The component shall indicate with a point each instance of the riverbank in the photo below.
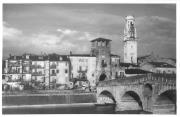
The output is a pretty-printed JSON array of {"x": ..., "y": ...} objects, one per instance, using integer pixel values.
[
  {"x": 49, "y": 105},
  {"x": 47, "y": 99}
]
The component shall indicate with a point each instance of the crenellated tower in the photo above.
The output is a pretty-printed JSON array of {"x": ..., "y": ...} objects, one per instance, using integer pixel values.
[{"x": 101, "y": 48}]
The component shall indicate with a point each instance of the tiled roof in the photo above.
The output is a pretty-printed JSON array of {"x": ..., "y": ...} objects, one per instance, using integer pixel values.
[
  {"x": 38, "y": 57},
  {"x": 100, "y": 39},
  {"x": 161, "y": 64},
  {"x": 15, "y": 57},
  {"x": 136, "y": 71},
  {"x": 114, "y": 55},
  {"x": 128, "y": 65},
  {"x": 82, "y": 55}
]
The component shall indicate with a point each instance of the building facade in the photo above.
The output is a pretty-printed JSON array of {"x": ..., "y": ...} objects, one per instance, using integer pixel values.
[
  {"x": 41, "y": 71},
  {"x": 159, "y": 67},
  {"x": 83, "y": 66}
]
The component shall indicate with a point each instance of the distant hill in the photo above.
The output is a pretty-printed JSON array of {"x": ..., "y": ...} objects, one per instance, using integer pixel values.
[{"x": 153, "y": 58}]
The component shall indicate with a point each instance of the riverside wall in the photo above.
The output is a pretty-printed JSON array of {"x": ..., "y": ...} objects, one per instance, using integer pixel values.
[{"x": 40, "y": 99}]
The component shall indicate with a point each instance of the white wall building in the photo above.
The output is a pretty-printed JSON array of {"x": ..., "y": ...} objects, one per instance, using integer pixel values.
[
  {"x": 159, "y": 67},
  {"x": 83, "y": 64}
]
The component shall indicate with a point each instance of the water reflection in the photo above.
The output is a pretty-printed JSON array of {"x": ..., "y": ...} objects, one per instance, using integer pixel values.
[{"x": 85, "y": 109}]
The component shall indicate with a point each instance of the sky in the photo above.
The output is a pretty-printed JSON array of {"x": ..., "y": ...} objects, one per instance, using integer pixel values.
[{"x": 61, "y": 28}]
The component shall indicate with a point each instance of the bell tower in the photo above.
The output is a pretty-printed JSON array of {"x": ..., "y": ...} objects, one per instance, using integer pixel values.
[{"x": 130, "y": 41}]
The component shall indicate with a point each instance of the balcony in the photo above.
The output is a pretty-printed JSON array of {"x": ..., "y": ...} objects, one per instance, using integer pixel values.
[
  {"x": 26, "y": 64},
  {"x": 37, "y": 66},
  {"x": 14, "y": 72},
  {"x": 26, "y": 71},
  {"x": 37, "y": 74},
  {"x": 82, "y": 71},
  {"x": 14, "y": 65},
  {"x": 14, "y": 80}
]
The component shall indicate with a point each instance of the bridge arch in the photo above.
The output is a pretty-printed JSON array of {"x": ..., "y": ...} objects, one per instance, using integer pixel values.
[
  {"x": 167, "y": 101},
  {"x": 168, "y": 95},
  {"x": 131, "y": 100},
  {"x": 106, "y": 97}
]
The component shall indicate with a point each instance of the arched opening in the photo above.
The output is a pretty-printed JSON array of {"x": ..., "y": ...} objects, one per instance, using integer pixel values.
[
  {"x": 102, "y": 77},
  {"x": 166, "y": 102},
  {"x": 106, "y": 97},
  {"x": 147, "y": 90},
  {"x": 131, "y": 101}
]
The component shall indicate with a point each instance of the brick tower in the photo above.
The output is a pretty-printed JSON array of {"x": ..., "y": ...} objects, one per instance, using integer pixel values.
[{"x": 101, "y": 48}]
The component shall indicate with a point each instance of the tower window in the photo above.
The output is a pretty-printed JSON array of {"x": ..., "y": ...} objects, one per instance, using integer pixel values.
[
  {"x": 131, "y": 59},
  {"x": 103, "y": 63},
  {"x": 27, "y": 56},
  {"x": 99, "y": 43},
  {"x": 80, "y": 68},
  {"x": 103, "y": 43},
  {"x": 66, "y": 71}
]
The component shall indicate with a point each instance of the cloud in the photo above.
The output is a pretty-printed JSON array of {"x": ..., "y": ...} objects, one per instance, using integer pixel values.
[
  {"x": 61, "y": 42},
  {"x": 67, "y": 31},
  {"x": 44, "y": 39},
  {"x": 9, "y": 32},
  {"x": 155, "y": 33}
]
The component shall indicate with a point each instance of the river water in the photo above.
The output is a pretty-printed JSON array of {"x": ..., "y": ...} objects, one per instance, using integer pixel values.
[{"x": 66, "y": 109}]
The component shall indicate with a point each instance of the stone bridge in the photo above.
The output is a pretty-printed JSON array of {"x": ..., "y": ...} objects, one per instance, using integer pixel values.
[{"x": 152, "y": 92}]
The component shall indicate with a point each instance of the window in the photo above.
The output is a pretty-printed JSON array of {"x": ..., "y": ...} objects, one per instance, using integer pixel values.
[
  {"x": 66, "y": 71},
  {"x": 80, "y": 68},
  {"x": 27, "y": 56},
  {"x": 116, "y": 75},
  {"x": 92, "y": 75},
  {"x": 57, "y": 71},
  {"x": 53, "y": 71},
  {"x": 103, "y": 63},
  {"x": 99, "y": 43},
  {"x": 107, "y": 43},
  {"x": 103, "y": 43}
]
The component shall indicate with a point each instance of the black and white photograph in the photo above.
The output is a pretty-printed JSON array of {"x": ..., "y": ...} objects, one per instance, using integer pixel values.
[{"x": 89, "y": 58}]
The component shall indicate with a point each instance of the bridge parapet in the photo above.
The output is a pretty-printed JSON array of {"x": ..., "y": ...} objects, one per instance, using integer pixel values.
[{"x": 140, "y": 79}]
